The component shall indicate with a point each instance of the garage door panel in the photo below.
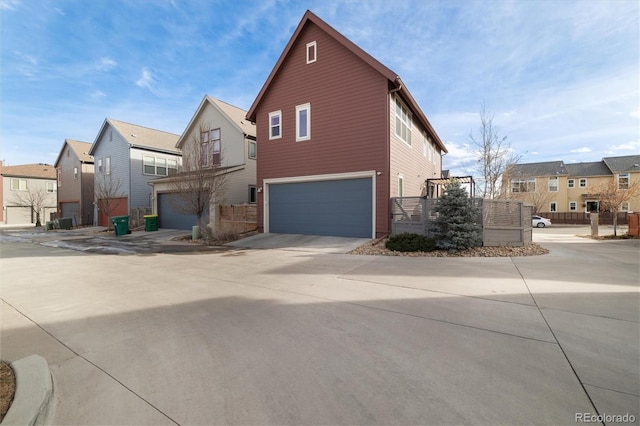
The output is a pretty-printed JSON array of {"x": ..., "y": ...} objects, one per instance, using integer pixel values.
[
  {"x": 170, "y": 217},
  {"x": 333, "y": 207}
]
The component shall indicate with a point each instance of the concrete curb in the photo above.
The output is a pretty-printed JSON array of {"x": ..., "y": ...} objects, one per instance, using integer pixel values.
[{"x": 34, "y": 389}]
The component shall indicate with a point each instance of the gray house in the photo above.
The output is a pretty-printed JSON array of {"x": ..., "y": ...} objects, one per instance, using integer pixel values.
[
  {"x": 127, "y": 157},
  {"x": 74, "y": 170}
]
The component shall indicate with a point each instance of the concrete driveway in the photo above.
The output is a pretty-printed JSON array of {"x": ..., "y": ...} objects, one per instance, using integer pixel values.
[
  {"x": 312, "y": 243},
  {"x": 296, "y": 337}
]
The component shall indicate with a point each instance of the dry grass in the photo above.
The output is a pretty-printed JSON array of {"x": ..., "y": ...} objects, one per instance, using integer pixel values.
[{"x": 7, "y": 388}]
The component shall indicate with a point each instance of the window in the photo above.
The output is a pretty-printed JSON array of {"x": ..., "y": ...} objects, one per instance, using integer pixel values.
[
  {"x": 400, "y": 186},
  {"x": 75, "y": 173},
  {"x": 172, "y": 167},
  {"x": 624, "y": 207},
  {"x": 51, "y": 187},
  {"x": 59, "y": 174},
  {"x": 553, "y": 184},
  {"x": 623, "y": 181},
  {"x": 100, "y": 168},
  {"x": 149, "y": 165},
  {"x": 107, "y": 165},
  {"x": 403, "y": 122},
  {"x": 523, "y": 185},
  {"x": 553, "y": 207},
  {"x": 252, "y": 149},
  {"x": 303, "y": 122},
  {"x": 573, "y": 206},
  {"x": 214, "y": 140},
  {"x": 582, "y": 183},
  {"x": 18, "y": 184},
  {"x": 312, "y": 52},
  {"x": 210, "y": 151},
  {"x": 571, "y": 183},
  {"x": 275, "y": 125},
  {"x": 159, "y": 166},
  {"x": 253, "y": 194}
]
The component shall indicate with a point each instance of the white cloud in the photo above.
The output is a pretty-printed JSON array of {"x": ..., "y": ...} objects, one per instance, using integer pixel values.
[
  {"x": 635, "y": 114},
  {"x": 629, "y": 146},
  {"x": 584, "y": 149},
  {"x": 105, "y": 64},
  {"x": 9, "y": 4},
  {"x": 147, "y": 80},
  {"x": 98, "y": 94}
]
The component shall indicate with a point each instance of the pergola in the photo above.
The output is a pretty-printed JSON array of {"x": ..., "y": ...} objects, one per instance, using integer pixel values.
[{"x": 435, "y": 186}]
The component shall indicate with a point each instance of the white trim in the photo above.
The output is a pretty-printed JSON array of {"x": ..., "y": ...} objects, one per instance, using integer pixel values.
[
  {"x": 580, "y": 183},
  {"x": 314, "y": 178},
  {"x": 575, "y": 204},
  {"x": 400, "y": 179},
  {"x": 299, "y": 108},
  {"x": 272, "y": 114},
  {"x": 312, "y": 46}
]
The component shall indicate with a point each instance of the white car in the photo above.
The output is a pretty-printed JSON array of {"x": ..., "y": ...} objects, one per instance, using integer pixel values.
[{"x": 540, "y": 222}]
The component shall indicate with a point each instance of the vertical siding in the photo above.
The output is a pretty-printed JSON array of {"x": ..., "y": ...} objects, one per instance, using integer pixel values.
[
  {"x": 349, "y": 118},
  {"x": 409, "y": 161},
  {"x": 118, "y": 149}
]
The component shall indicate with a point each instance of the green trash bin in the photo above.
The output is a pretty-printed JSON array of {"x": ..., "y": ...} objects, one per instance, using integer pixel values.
[
  {"x": 150, "y": 222},
  {"x": 120, "y": 225}
]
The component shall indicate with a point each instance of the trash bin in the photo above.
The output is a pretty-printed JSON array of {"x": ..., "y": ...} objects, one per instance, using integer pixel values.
[
  {"x": 120, "y": 225},
  {"x": 150, "y": 222}
]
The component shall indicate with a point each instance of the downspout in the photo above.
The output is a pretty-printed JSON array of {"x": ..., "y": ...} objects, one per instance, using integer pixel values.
[{"x": 398, "y": 83}]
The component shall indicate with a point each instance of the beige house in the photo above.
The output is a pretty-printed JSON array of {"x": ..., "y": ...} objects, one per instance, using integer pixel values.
[
  {"x": 75, "y": 171},
  {"x": 224, "y": 141},
  {"x": 28, "y": 193},
  {"x": 559, "y": 187}
]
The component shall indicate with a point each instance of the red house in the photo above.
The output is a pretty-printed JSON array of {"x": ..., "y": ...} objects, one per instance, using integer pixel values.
[{"x": 338, "y": 134}]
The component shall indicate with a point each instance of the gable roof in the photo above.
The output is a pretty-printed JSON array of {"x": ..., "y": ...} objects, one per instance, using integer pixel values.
[
  {"x": 235, "y": 115},
  {"x": 595, "y": 168},
  {"x": 140, "y": 137},
  {"x": 37, "y": 171},
  {"x": 81, "y": 149},
  {"x": 310, "y": 17},
  {"x": 549, "y": 168},
  {"x": 627, "y": 163}
]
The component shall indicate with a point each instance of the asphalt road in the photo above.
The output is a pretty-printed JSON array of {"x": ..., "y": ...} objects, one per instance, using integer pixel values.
[{"x": 302, "y": 337}]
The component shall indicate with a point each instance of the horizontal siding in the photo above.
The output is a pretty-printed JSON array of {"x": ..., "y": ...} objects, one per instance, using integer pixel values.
[
  {"x": 349, "y": 119},
  {"x": 410, "y": 161},
  {"x": 111, "y": 144},
  {"x": 140, "y": 189}
]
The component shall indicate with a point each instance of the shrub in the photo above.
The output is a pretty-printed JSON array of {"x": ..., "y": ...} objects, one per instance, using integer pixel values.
[
  {"x": 410, "y": 242},
  {"x": 458, "y": 224}
]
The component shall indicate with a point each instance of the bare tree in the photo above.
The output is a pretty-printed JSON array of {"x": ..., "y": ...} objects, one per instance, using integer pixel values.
[
  {"x": 107, "y": 191},
  {"x": 35, "y": 199},
  {"x": 201, "y": 180},
  {"x": 613, "y": 193},
  {"x": 493, "y": 155}
]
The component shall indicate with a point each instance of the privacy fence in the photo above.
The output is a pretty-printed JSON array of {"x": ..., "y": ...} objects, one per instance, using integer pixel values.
[
  {"x": 581, "y": 218},
  {"x": 504, "y": 222}
]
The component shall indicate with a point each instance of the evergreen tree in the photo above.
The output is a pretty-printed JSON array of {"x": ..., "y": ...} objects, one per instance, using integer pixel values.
[{"x": 457, "y": 224}]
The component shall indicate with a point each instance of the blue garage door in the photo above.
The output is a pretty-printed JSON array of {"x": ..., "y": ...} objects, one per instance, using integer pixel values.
[
  {"x": 332, "y": 207},
  {"x": 169, "y": 217}
]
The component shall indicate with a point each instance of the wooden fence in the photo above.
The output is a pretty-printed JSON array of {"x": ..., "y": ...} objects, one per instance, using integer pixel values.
[
  {"x": 582, "y": 218},
  {"x": 504, "y": 222},
  {"x": 238, "y": 217}
]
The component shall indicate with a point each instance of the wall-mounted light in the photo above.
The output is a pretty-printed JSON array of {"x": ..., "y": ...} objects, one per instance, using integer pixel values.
[
  {"x": 378, "y": 173},
  {"x": 260, "y": 189}
]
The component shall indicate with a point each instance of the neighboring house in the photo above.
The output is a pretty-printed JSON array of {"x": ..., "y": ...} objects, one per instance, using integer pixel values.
[
  {"x": 339, "y": 134},
  {"x": 28, "y": 190},
  {"x": 556, "y": 186},
  {"x": 74, "y": 168},
  {"x": 127, "y": 157},
  {"x": 228, "y": 142}
]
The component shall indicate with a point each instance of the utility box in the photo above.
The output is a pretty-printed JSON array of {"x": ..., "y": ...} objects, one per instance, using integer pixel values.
[{"x": 594, "y": 224}]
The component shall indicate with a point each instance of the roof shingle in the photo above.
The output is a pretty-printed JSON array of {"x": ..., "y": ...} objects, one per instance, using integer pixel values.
[{"x": 38, "y": 171}]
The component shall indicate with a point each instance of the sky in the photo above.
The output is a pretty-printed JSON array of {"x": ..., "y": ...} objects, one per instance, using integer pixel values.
[{"x": 561, "y": 79}]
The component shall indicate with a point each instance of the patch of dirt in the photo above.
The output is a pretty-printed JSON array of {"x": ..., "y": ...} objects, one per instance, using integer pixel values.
[
  {"x": 7, "y": 388},
  {"x": 377, "y": 247}
]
